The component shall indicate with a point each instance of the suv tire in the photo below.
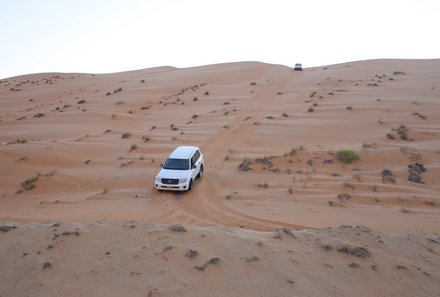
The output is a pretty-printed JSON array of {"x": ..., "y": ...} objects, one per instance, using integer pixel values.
[{"x": 200, "y": 172}]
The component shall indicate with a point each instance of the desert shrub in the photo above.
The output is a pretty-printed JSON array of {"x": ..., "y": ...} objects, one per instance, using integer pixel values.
[
  {"x": 18, "y": 140},
  {"x": 28, "y": 184},
  {"x": 419, "y": 115},
  {"x": 349, "y": 108},
  {"x": 126, "y": 135},
  {"x": 402, "y": 131},
  {"x": 253, "y": 83},
  {"x": 265, "y": 185},
  {"x": 245, "y": 165},
  {"x": 347, "y": 156},
  {"x": 207, "y": 93},
  {"x": 173, "y": 127},
  {"x": 82, "y": 101}
]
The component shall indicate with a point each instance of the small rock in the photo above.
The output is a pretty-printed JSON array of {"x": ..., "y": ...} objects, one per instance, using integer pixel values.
[
  {"x": 401, "y": 267},
  {"x": 259, "y": 243},
  {"x": 357, "y": 251},
  {"x": 327, "y": 247},
  {"x": 252, "y": 259},
  {"x": 389, "y": 179},
  {"x": 415, "y": 178},
  {"x": 214, "y": 261},
  {"x": 354, "y": 265},
  {"x": 386, "y": 172},
  {"x": 6, "y": 228},
  {"x": 192, "y": 254},
  {"x": 417, "y": 167},
  {"x": 277, "y": 235},
  {"x": 76, "y": 233},
  {"x": 177, "y": 228},
  {"x": 167, "y": 248},
  {"x": 245, "y": 166},
  {"x": 363, "y": 228},
  {"x": 288, "y": 231}
]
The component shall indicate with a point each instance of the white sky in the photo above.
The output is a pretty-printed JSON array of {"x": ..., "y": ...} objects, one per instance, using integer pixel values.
[{"x": 101, "y": 36}]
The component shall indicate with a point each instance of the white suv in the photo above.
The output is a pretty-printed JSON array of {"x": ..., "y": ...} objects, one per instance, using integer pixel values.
[{"x": 181, "y": 168}]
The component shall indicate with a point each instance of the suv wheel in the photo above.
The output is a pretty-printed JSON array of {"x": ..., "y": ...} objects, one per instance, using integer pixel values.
[
  {"x": 200, "y": 172},
  {"x": 190, "y": 185}
]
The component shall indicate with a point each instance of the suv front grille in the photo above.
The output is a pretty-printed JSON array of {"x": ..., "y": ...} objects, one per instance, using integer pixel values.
[{"x": 170, "y": 181}]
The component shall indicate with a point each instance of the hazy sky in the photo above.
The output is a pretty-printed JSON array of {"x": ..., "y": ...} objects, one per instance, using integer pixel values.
[{"x": 115, "y": 35}]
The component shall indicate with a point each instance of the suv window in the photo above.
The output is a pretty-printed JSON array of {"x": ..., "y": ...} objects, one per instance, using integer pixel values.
[
  {"x": 176, "y": 164},
  {"x": 193, "y": 160},
  {"x": 195, "y": 157}
]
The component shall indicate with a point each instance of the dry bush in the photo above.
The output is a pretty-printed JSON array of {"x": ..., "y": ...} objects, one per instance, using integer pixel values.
[{"x": 347, "y": 156}]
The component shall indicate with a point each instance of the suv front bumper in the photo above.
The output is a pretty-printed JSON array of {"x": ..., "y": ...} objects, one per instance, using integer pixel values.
[{"x": 167, "y": 187}]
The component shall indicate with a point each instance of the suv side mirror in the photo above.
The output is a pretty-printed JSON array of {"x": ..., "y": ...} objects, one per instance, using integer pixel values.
[
  {"x": 161, "y": 165},
  {"x": 193, "y": 167}
]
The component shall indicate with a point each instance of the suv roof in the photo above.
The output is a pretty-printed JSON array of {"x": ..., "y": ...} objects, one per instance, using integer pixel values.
[{"x": 183, "y": 152}]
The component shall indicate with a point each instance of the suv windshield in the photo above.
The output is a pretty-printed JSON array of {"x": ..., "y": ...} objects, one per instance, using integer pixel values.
[{"x": 176, "y": 164}]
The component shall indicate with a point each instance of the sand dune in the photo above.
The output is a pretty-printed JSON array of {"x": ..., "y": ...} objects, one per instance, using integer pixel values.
[
  {"x": 86, "y": 148},
  {"x": 73, "y": 126}
]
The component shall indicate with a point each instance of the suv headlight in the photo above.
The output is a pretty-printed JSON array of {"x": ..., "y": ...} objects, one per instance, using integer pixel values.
[
  {"x": 183, "y": 180},
  {"x": 158, "y": 179}
]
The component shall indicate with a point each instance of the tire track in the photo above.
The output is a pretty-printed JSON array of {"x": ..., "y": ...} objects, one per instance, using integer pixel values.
[{"x": 202, "y": 202}]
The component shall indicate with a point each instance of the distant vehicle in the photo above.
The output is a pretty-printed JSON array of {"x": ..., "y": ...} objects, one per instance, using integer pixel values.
[
  {"x": 180, "y": 169},
  {"x": 298, "y": 67}
]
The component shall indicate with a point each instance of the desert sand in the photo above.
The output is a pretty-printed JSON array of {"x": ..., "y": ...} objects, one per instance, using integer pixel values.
[{"x": 79, "y": 152}]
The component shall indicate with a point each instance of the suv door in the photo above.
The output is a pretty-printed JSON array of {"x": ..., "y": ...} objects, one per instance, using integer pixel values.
[{"x": 195, "y": 162}]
